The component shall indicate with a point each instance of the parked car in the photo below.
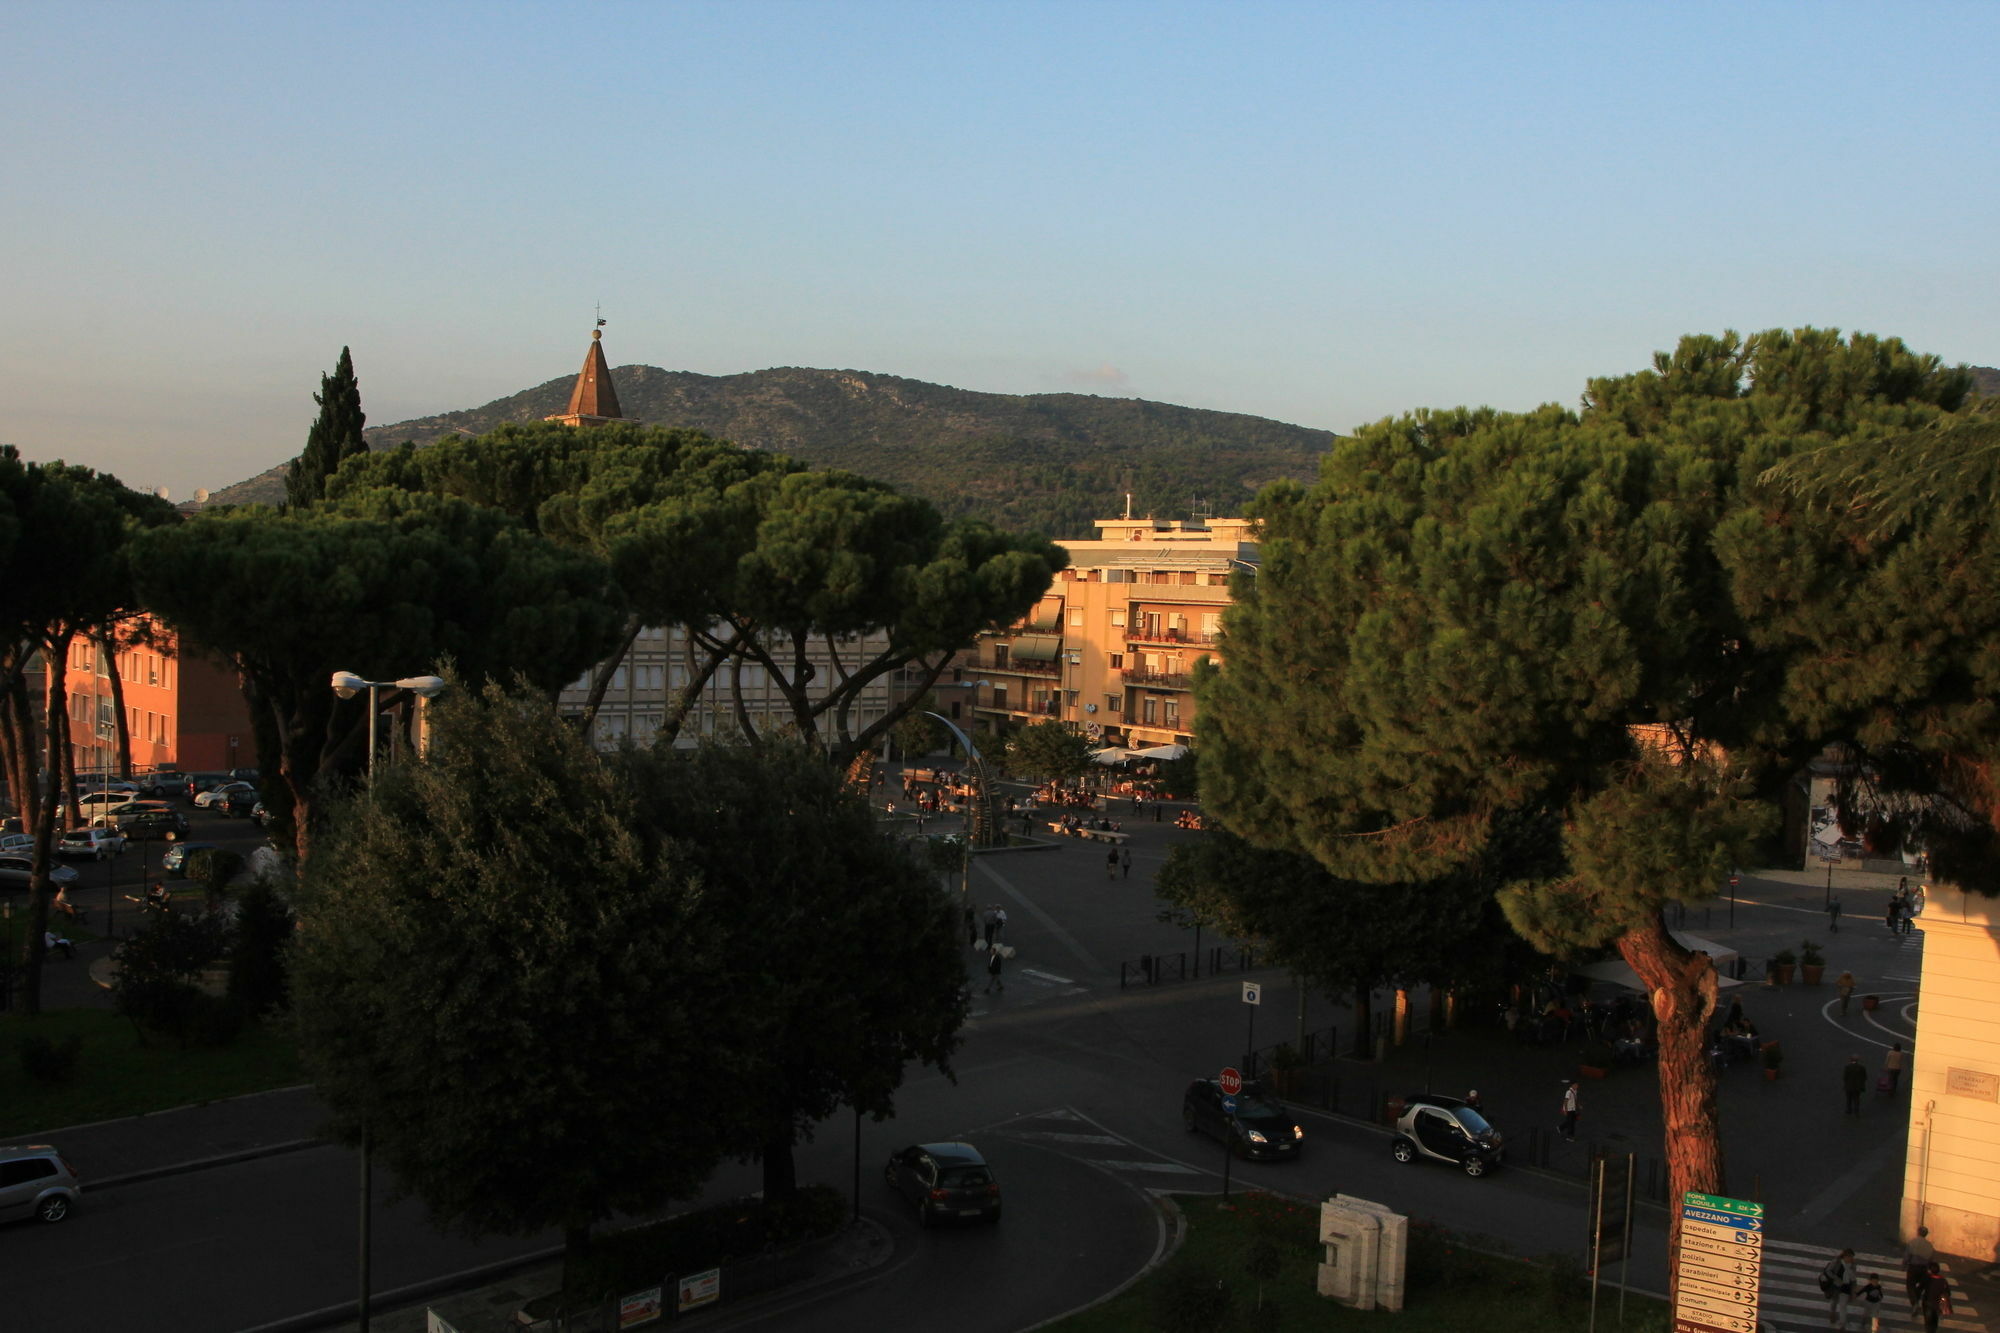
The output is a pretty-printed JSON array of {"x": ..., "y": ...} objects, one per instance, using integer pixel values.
[
  {"x": 1446, "y": 1129},
  {"x": 161, "y": 783},
  {"x": 99, "y": 844},
  {"x": 176, "y": 859},
  {"x": 15, "y": 869},
  {"x": 103, "y": 798},
  {"x": 153, "y": 823},
  {"x": 197, "y": 783},
  {"x": 36, "y": 1181},
  {"x": 248, "y": 775},
  {"x": 947, "y": 1182},
  {"x": 260, "y": 816},
  {"x": 221, "y": 792},
  {"x": 1259, "y": 1127},
  {"x": 232, "y": 801},
  {"x": 21, "y": 843}
]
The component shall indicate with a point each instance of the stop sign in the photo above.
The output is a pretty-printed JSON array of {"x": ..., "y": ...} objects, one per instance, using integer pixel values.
[{"x": 1231, "y": 1082}]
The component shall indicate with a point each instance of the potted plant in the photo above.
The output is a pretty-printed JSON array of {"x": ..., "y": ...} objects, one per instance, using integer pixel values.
[
  {"x": 1786, "y": 961},
  {"x": 1773, "y": 1057},
  {"x": 1870, "y": 1003},
  {"x": 1810, "y": 962},
  {"x": 1597, "y": 1059}
]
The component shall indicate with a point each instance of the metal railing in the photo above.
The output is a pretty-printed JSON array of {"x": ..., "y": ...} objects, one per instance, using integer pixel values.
[{"x": 1151, "y": 969}]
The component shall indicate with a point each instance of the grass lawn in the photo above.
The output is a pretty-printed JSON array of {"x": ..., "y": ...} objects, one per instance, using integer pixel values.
[
  {"x": 1211, "y": 1286},
  {"x": 118, "y": 1074}
]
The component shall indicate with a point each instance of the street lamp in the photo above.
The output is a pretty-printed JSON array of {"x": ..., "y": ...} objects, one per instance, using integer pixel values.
[{"x": 346, "y": 684}]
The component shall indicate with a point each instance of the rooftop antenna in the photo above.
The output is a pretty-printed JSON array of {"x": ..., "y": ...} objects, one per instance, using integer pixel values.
[{"x": 600, "y": 314}]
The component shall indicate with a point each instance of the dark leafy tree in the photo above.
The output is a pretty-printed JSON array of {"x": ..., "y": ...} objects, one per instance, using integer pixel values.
[
  {"x": 1047, "y": 752},
  {"x": 260, "y": 950},
  {"x": 334, "y": 438},
  {"x": 836, "y": 954},
  {"x": 385, "y": 585},
  {"x": 918, "y": 734},
  {"x": 1477, "y": 615},
  {"x": 501, "y": 961},
  {"x": 159, "y": 973}
]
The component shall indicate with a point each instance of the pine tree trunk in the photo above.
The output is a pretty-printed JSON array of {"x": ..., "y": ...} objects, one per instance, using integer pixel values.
[
  {"x": 781, "y": 1170},
  {"x": 1683, "y": 988},
  {"x": 109, "y": 645},
  {"x": 576, "y": 1249}
]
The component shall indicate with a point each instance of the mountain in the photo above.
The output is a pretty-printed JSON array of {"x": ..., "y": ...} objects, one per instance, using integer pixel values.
[{"x": 1031, "y": 462}]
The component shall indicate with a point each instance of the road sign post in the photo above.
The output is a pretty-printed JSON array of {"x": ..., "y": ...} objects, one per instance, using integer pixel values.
[
  {"x": 1610, "y": 1224},
  {"x": 1253, "y": 996},
  {"x": 1230, "y": 1082},
  {"x": 1719, "y": 1265}
]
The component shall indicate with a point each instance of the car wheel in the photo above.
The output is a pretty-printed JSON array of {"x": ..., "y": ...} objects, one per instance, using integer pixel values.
[
  {"x": 923, "y": 1214},
  {"x": 889, "y": 1176},
  {"x": 53, "y": 1209},
  {"x": 1187, "y": 1118},
  {"x": 1404, "y": 1151},
  {"x": 1475, "y": 1166}
]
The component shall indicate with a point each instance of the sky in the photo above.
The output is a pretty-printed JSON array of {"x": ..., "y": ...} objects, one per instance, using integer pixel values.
[{"x": 1322, "y": 213}]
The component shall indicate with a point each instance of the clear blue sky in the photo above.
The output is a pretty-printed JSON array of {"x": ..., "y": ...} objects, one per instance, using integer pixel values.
[{"x": 1323, "y": 213}]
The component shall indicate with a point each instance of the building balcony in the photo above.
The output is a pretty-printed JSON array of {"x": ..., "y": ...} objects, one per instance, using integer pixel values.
[
  {"x": 1190, "y": 636},
  {"x": 1019, "y": 667},
  {"x": 1171, "y": 680}
]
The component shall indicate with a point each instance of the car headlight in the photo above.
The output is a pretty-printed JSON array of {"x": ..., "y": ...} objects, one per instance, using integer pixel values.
[
  {"x": 1298, "y": 1133},
  {"x": 1255, "y": 1136}
]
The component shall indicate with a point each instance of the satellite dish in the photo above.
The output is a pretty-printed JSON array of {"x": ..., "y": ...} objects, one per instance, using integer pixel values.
[
  {"x": 201, "y": 495},
  {"x": 161, "y": 491}
]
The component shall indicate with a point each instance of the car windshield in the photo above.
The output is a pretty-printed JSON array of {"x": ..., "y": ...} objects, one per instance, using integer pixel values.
[
  {"x": 1475, "y": 1123},
  {"x": 962, "y": 1177},
  {"x": 1255, "y": 1106}
]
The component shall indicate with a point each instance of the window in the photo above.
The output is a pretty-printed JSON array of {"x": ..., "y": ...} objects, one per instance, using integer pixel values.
[
  {"x": 1000, "y": 651},
  {"x": 1118, "y": 619},
  {"x": 1170, "y": 712},
  {"x": 1000, "y": 697},
  {"x": 956, "y": 705},
  {"x": 1113, "y": 703},
  {"x": 1076, "y": 616},
  {"x": 618, "y": 680},
  {"x": 679, "y": 677},
  {"x": 1149, "y": 710},
  {"x": 1211, "y": 623},
  {"x": 1117, "y": 661}
]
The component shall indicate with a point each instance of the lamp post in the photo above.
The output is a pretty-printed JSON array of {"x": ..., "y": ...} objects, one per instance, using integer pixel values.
[{"x": 346, "y": 684}]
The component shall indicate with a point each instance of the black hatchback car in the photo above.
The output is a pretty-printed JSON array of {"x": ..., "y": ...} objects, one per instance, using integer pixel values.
[
  {"x": 1446, "y": 1129},
  {"x": 1259, "y": 1127},
  {"x": 948, "y": 1182}
]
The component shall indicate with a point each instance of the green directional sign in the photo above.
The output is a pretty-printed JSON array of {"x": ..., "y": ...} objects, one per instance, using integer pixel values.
[{"x": 1741, "y": 1207}]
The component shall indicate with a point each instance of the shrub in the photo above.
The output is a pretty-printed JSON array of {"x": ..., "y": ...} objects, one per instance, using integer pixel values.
[
  {"x": 213, "y": 868},
  {"x": 706, "y": 1238},
  {"x": 47, "y": 1061},
  {"x": 260, "y": 955},
  {"x": 1190, "y": 1297},
  {"x": 157, "y": 969}
]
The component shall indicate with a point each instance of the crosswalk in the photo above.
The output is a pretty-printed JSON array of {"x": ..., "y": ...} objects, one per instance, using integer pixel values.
[
  {"x": 1023, "y": 986},
  {"x": 1076, "y": 1135},
  {"x": 1790, "y": 1302}
]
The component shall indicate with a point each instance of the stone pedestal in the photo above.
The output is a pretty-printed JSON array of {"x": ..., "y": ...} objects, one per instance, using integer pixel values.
[{"x": 1366, "y": 1249}]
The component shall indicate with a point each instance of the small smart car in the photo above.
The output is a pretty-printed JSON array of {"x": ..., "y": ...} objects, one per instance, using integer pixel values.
[{"x": 1445, "y": 1129}]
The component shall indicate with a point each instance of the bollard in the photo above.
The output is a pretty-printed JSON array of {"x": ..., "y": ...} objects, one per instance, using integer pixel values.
[{"x": 1146, "y": 966}]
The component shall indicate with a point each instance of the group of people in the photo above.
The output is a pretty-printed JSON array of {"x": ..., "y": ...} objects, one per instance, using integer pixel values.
[
  {"x": 1071, "y": 823},
  {"x": 1904, "y": 907},
  {"x": 1188, "y": 819},
  {"x": 1924, "y": 1286}
]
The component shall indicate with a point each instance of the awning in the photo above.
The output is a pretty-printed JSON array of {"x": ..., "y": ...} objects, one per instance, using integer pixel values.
[
  {"x": 1110, "y": 755},
  {"x": 1616, "y": 972},
  {"x": 1162, "y": 752},
  {"x": 1047, "y": 617},
  {"x": 1037, "y": 647}
]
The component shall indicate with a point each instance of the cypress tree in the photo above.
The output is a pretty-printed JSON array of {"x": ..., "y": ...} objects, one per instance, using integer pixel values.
[{"x": 334, "y": 438}]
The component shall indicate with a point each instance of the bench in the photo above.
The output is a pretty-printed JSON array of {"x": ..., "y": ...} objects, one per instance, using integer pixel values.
[{"x": 1094, "y": 834}]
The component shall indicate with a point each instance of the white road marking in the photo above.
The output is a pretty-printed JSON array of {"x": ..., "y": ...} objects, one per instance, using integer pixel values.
[
  {"x": 1048, "y": 976},
  {"x": 1173, "y": 1168},
  {"x": 1056, "y": 1136}
]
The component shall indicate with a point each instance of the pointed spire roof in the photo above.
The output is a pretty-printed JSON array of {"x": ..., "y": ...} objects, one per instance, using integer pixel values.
[{"x": 593, "y": 401}]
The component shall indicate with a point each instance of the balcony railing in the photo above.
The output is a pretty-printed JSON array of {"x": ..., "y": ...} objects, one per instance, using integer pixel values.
[
  {"x": 1140, "y": 634},
  {"x": 1173, "y": 680},
  {"x": 1023, "y": 668}
]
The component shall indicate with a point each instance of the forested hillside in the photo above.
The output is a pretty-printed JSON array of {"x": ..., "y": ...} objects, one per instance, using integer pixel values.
[{"x": 1041, "y": 462}]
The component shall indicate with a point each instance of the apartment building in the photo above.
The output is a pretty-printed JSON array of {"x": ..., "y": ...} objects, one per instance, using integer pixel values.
[
  {"x": 1111, "y": 648},
  {"x": 183, "y": 708}
]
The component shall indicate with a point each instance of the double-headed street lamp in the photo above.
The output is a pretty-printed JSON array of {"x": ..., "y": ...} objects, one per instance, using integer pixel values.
[{"x": 346, "y": 684}]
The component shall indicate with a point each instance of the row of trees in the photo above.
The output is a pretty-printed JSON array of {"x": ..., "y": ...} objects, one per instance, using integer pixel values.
[
  {"x": 1564, "y": 659},
  {"x": 554, "y": 985}
]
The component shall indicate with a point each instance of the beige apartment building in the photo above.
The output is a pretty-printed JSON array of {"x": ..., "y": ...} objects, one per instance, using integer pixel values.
[{"x": 1111, "y": 647}]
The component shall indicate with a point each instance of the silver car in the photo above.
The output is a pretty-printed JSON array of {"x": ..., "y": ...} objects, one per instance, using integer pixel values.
[
  {"x": 36, "y": 1182},
  {"x": 14, "y": 870}
]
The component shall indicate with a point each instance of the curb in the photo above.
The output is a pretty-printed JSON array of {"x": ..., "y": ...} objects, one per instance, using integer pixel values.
[
  {"x": 1173, "y": 1231},
  {"x": 205, "y": 1163},
  {"x": 404, "y": 1297}
]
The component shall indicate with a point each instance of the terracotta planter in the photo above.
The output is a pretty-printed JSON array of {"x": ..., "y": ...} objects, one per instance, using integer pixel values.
[
  {"x": 1785, "y": 973},
  {"x": 1591, "y": 1071},
  {"x": 1870, "y": 1003},
  {"x": 1813, "y": 972},
  {"x": 1771, "y": 1075}
]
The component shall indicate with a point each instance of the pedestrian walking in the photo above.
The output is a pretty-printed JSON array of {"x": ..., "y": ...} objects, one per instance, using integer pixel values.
[
  {"x": 1917, "y": 1256},
  {"x": 993, "y": 979},
  {"x": 1836, "y": 1283},
  {"x": 1571, "y": 1107},
  {"x": 1125, "y": 861},
  {"x": 1935, "y": 1301},
  {"x": 1854, "y": 1082},
  {"x": 1892, "y": 1066},
  {"x": 1870, "y": 1297},
  {"x": 1845, "y": 986},
  {"x": 971, "y": 929},
  {"x": 1895, "y": 913},
  {"x": 1111, "y": 864},
  {"x": 992, "y": 924},
  {"x": 1833, "y": 915}
]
